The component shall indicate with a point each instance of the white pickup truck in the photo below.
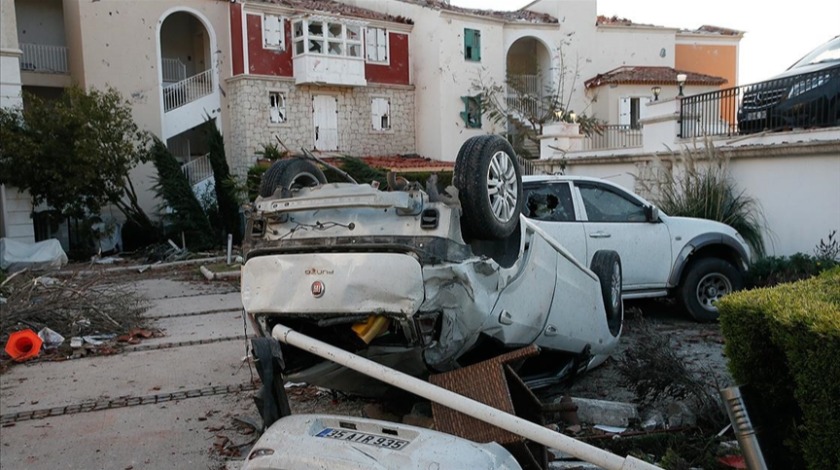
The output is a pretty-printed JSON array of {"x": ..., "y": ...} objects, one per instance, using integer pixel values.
[
  {"x": 695, "y": 260},
  {"x": 423, "y": 281}
]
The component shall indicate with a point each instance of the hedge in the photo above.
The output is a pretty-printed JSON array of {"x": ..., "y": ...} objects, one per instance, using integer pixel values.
[{"x": 784, "y": 343}]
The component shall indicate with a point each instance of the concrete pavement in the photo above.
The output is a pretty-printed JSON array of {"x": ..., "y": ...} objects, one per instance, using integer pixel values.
[{"x": 177, "y": 433}]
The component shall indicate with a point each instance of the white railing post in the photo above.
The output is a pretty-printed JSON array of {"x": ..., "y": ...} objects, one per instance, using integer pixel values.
[
  {"x": 198, "y": 170},
  {"x": 44, "y": 58},
  {"x": 187, "y": 90},
  {"x": 173, "y": 70}
]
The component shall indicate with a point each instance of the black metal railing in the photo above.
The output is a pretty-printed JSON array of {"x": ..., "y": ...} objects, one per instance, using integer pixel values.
[
  {"x": 800, "y": 101},
  {"x": 614, "y": 137}
]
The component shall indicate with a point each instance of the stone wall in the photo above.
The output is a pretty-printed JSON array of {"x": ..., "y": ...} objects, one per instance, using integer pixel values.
[{"x": 250, "y": 127}]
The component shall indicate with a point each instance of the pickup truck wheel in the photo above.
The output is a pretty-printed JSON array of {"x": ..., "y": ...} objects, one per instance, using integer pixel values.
[
  {"x": 606, "y": 264},
  {"x": 707, "y": 280},
  {"x": 489, "y": 183},
  {"x": 294, "y": 173}
]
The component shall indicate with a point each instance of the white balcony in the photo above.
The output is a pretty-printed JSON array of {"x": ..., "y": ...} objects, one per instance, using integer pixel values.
[
  {"x": 189, "y": 103},
  {"x": 198, "y": 170},
  {"x": 187, "y": 90},
  {"x": 173, "y": 70},
  {"x": 316, "y": 69},
  {"x": 42, "y": 58}
]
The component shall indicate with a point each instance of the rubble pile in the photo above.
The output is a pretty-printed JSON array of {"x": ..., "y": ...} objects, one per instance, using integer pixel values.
[{"x": 72, "y": 307}]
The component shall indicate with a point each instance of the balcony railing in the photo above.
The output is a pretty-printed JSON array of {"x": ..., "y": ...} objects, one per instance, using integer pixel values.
[
  {"x": 526, "y": 165},
  {"x": 800, "y": 101},
  {"x": 188, "y": 90},
  {"x": 614, "y": 137},
  {"x": 197, "y": 170},
  {"x": 44, "y": 59},
  {"x": 173, "y": 70},
  {"x": 524, "y": 95}
]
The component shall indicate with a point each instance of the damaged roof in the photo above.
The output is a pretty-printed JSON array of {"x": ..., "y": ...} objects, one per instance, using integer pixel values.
[
  {"x": 630, "y": 75},
  {"x": 402, "y": 163},
  {"x": 527, "y": 16},
  {"x": 614, "y": 20},
  {"x": 337, "y": 9}
]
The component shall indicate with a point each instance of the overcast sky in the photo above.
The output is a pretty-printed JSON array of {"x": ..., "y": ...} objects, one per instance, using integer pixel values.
[{"x": 776, "y": 35}]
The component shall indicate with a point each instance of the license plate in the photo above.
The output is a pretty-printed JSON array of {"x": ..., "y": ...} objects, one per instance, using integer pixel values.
[
  {"x": 363, "y": 438},
  {"x": 755, "y": 115}
]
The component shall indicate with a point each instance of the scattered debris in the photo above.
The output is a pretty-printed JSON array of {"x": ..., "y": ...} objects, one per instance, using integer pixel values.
[
  {"x": 50, "y": 338},
  {"x": 135, "y": 335},
  {"x": 607, "y": 413},
  {"x": 72, "y": 307}
]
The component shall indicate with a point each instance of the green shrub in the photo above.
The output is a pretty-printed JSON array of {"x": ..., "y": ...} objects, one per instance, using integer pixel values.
[
  {"x": 785, "y": 342},
  {"x": 697, "y": 183},
  {"x": 254, "y": 178},
  {"x": 173, "y": 187},
  {"x": 227, "y": 201},
  {"x": 772, "y": 270}
]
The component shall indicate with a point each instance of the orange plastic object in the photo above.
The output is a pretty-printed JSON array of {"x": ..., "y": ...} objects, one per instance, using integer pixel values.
[
  {"x": 23, "y": 345},
  {"x": 371, "y": 328}
]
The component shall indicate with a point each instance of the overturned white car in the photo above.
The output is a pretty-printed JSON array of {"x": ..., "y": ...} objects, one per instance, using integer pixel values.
[{"x": 423, "y": 281}]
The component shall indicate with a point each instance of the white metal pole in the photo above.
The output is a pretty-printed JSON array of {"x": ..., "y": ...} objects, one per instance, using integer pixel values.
[
  {"x": 229, "y": 247},
  {"x": 468, "y": 406}
]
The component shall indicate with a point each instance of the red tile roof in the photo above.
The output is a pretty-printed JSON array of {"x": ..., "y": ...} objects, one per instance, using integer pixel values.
[
  {"x": 629, "y": 75},
  {"x": 517, "y": 15},
  {"x": 401, "y": 163},
  {"x": 338, "y": 9}
]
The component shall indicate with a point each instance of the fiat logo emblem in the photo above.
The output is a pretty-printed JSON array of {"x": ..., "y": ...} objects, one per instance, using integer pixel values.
[{"x": 318, "y": 289}]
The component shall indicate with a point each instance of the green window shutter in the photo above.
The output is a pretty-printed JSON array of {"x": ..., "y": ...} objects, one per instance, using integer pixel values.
[
  {"x": 472, "y": 112},
  {"x": 472, "y": 44},
  {"x": 477, "y": 47}
]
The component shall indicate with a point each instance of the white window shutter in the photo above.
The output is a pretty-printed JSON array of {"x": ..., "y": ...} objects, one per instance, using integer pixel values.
[
  {"x": 370, "y": 43},
  {"x": 624, "y": 111},
  {"x": 272, "y": 34},
  {"x": 381, "y": 45},
  {"x": 375, "y": 115}
]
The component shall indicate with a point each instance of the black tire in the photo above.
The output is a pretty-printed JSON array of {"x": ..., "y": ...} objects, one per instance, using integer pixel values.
[
  {"x": 706, "y": 281},
  {"x": 606, "y": 264},
  {"x": 289, "y": 174},
  {"x": 489, "y": 183}
]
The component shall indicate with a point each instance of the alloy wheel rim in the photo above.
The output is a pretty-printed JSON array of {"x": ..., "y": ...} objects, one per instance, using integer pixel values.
[
  {"x": 502, "y": 187},
  {"x": 711, "y": 288}
]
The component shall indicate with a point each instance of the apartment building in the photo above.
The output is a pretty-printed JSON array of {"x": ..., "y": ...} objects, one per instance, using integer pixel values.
[{"x": 357, "y": 77}]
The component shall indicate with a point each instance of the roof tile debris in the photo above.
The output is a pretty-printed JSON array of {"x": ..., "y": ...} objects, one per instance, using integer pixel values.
[
  {"x": 517, "y": 15},
  {"x": 717, "y": 30},
  {"x": 614, "y": 20},
  {"x": 402, "y": 163},
  {"x": 338, "y": 9},
  {"x": 629, "y": 75}
]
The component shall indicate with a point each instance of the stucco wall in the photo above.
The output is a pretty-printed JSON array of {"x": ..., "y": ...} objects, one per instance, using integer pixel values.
[
  {"x": 250, "y": 127},
  {"x": 715, "y": 57},
  {"x": 40, "y": 22},
  {"x": 795, "y": 182},
  {"x": 8, "y": 25},
  {"x": 9, "y": 80},
  {"x": 129, "y": 61},
  {"x": 16, "y": 214}
]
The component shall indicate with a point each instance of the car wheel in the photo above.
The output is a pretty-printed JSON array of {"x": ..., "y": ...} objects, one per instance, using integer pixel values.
[
  {"x": 489, "y": 183},
  {"x": 708, "y": 280},
  {"x": 294, "y": 173},
  {"x": 606, "y": 264}
]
